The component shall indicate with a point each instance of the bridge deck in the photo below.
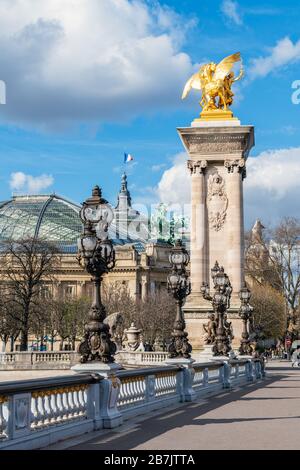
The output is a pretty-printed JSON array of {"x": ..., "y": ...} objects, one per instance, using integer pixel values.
[{"x": 265, "y": 415}]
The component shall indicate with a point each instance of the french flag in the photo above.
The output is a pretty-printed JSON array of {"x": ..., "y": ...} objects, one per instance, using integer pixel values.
[{"x": 127, "y": 157}]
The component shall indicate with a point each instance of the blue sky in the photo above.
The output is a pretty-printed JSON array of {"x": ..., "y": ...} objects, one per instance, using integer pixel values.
[{"x": 86, "y": 82}]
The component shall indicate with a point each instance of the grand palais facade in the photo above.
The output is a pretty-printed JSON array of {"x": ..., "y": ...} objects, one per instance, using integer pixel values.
[{"x": 142, "y": 264}]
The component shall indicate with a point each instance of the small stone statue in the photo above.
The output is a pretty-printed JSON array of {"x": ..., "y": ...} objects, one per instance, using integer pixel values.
[
  {"x": 210, "y": 329},
  {"x": 116, "y": 325}
]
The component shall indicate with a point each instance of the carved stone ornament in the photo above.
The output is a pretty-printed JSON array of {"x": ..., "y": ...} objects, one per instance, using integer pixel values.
[
  {"x": 197, "y": 167},
  {"x": 217, "y": 201},
  {"x": 236, "y": 166},
  {"x": 21, "y": 413},
  {"x": 213, "y": 144}
]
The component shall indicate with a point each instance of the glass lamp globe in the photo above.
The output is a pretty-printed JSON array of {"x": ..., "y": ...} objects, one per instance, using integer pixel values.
[
  {"x": 87, "y": 244},
  {"x": 220, "y": 279},
  {"x": 179, "y": 257},
  {"x": 105, "y": 249},
  {"x": 245, "y": 294},
  {"x": 173, "y": 281}
]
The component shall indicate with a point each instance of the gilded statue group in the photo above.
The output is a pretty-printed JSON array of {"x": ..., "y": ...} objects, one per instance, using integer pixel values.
[{"x": 215, "y": 82}]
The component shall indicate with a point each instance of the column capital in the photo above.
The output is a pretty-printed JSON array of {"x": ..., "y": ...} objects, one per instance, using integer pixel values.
[
  {"x": 236, "y": 166},
  {"x": 197, "y": 167}
]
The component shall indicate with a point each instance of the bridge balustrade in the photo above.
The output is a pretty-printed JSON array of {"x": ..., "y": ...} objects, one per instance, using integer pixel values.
[{"x": 36, "y": 413}]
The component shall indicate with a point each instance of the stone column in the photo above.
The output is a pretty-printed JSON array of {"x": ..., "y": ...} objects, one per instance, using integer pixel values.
[
  {"x": 145, "y": 287},
  {"x": 80, "y": 288},
  {"x": 219, "y": 185},
  {"x": 235, "y": 229},
  {"x": 198, "y": 253}
]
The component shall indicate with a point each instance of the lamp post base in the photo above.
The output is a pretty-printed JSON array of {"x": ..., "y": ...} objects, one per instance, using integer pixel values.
[
  {"x": 206, "y": 354},
  {"x": 179, "y": 361}
]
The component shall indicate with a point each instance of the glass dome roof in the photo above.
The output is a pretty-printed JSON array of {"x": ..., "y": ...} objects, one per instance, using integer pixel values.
[{"x": 52, "y": 218}]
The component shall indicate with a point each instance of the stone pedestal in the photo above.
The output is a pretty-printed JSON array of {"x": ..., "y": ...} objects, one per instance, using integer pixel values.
[
  {"x": 106, "y": 370},
  {"x": 205, "y": 355},
  {"x": 217, "y": 156},
  {"x": 186, "y": 387},
  {"x": 109, "y": 390}
]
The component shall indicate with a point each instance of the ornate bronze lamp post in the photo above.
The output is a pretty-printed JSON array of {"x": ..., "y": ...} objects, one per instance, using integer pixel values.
[
  {"x": 179, "y": 286},
  {"x": 96, "y": 255},
  {"x": 220, "y": 302},
  {"x": 245, "y": 314}
]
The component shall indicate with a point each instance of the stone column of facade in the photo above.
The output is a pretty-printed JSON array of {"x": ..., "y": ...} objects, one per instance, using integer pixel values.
[
  {"x": 198, "y": 254},
  {"x": 80, "y": 291},
  {"x": 217, "y": 153}
]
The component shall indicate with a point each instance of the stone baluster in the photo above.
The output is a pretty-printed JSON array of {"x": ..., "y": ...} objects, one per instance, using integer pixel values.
[{"x": 205, "y": 377}]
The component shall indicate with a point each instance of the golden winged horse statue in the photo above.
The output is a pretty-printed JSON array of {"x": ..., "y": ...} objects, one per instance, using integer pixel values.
[{"x": 215, "y": 81}]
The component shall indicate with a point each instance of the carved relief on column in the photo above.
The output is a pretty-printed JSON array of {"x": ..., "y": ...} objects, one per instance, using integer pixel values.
[
  {"x": 236, "y": 166},
  {"x": 217, "y": 201},
  {"x": 197, "y": 167}
]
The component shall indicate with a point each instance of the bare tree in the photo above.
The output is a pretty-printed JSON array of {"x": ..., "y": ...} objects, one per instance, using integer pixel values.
[
  {"x": 155, "y": 316},
  {"x": 9, "y": 328},
  {"x": 275, "y": 260},
  {"x": 117, "y": 298},
  {"x": 69, "y": 318},
  {"x": 25, "y": 265},
  {"x": 269, "y": 311}
]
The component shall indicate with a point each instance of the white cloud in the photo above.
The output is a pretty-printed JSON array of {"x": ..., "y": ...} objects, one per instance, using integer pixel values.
[
  {"x": 276, "y": 171},
  {"x": 231, "y": 10},
  {"x": 68, "y": 60},
  {"x": 283, "y": 53},
  {"x": 271, "y": 188},
  {"x": 19, "y": 181},
  {"x": 174, "y": 185}
]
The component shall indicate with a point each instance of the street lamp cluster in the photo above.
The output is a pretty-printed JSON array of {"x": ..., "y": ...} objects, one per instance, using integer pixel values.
[
  {"x": 96, "y": 254},
  {"x": 220, "y": 303},
  {"x": 245, "y": 313},
  {"x": 179, "y": 286},
  {"x": 221, "y": 341}
]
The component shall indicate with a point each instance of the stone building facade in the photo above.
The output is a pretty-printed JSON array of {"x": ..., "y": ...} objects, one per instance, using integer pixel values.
[{"x": 142, "y": 264}]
